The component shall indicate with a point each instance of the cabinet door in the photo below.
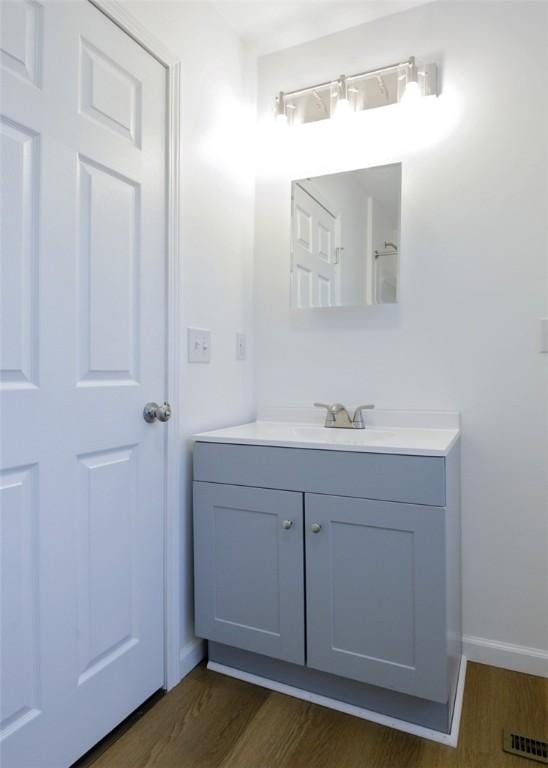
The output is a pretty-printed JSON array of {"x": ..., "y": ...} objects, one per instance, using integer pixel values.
[
  {"x": 375, "y": 593},
  {"x": 249, "y": 570}
]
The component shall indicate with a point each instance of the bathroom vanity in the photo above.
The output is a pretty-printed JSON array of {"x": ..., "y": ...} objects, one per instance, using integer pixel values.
[{"x": 327, "y": 563}]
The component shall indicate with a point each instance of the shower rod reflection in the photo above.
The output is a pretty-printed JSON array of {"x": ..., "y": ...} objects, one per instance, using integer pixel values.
[{"x": 387, "y": 244}]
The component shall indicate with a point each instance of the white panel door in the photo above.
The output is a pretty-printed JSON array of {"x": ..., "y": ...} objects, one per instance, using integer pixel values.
[
  {"x": 82, "y": 132},
  {"x": 314, "y": 271}
]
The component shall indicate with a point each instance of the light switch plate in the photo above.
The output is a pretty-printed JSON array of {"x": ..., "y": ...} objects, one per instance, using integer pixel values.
[
  {"x": 241, "y": 346},
  {"x": 199, "y": 345},
  {"x": 544, "y": 334}
]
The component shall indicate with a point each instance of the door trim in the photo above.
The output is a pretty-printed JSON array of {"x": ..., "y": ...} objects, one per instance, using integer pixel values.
[{"x": 123, "y": 19}]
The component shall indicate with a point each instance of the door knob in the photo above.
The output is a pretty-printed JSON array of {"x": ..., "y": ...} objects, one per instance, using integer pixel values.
[
  {"x": 153, "y": 411},
  {"x": 287, "y": 524},
  {"x": 315, "y": 527}
]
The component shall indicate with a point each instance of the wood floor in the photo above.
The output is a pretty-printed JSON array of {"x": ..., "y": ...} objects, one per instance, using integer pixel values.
[{"x": 213, "y": 721}]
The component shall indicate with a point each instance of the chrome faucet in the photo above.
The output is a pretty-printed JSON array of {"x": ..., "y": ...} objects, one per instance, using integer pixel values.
[{"x": 337, "y": 417}]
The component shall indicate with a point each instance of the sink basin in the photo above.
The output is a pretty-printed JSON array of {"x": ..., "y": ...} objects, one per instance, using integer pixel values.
[
  {"x": 306, "y": 433},
  {"x": 403, "y": 440}
]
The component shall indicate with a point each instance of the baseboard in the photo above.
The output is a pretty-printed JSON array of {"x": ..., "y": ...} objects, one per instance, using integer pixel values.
[
  {"x": 520, "y": 658},
  {"x": 191, "y": 655},
  {"x": 449, "y": 739}
]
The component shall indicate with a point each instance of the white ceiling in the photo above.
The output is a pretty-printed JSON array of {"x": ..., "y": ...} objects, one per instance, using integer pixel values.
[{"x": 271, "y": 26}]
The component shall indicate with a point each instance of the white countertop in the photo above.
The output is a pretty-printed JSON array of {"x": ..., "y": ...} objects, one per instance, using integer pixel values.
[{"x": 383, "y": 436}]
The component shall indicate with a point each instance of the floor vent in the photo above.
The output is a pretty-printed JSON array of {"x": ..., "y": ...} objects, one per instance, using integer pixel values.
[{"x": 525, "y": 746}]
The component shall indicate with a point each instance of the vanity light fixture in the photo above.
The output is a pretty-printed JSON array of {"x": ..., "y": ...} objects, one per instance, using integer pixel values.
[
  {"x": 401, "y": 82},
  {"x": 412, "y": 89},
  {"x": 281, "y": 114},
  {"x": 342, "y": 107}
]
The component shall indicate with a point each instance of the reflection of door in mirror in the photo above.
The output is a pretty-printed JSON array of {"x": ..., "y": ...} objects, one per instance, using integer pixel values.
[
  {"x": 345, "y": 238},
  {"x": 315, "y": 251}
]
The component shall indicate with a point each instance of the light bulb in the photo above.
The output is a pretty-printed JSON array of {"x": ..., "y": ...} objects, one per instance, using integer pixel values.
[
  {"x": 279, "y": 110},
  {"x": 342, "y": 109},
  {"x": 411, "y": 93}
]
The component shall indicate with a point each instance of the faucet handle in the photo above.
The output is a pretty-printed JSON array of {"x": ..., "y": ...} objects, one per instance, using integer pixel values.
[
  {"x": 357, "y": 420},
  {"x": 330, "y": 415}
]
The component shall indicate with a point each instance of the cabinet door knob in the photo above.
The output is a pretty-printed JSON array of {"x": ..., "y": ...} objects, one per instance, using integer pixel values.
[
  {"x": 287, "y": 524},
  {"x": 315, "y": 527}
]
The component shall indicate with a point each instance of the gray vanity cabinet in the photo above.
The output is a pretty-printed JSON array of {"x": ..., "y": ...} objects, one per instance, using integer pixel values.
[
  {"x": 333, "y": 572},
  {"x": 249, "y": 575},
  {"x": 376, "y": 593}
]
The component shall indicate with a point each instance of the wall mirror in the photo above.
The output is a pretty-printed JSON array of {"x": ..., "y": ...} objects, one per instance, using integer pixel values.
[{"x": 345, "y": 238}]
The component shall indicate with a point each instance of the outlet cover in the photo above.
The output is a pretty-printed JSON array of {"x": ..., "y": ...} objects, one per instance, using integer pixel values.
[
  {"x": 544, "y": 334},
  {"x": 199, "y": 345},
  {"x": 241, "y": 346}
]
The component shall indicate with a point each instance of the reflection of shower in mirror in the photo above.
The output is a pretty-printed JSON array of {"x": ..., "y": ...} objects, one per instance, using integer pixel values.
[
  {"x": 388, "y": 244},
  {"x": 341, "y": 224},
  {"x": 386, "y": 274}
]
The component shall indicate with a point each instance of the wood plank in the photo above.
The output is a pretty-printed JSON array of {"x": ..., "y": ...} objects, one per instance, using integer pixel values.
[
  {"x": 212, "y": 721},
  {"x": 195, "y": 725}
]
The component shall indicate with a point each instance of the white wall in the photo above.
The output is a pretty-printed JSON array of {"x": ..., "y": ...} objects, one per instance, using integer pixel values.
[
  {"x": 474, "y": 266},
  {"x": 218, "y": 117}
]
